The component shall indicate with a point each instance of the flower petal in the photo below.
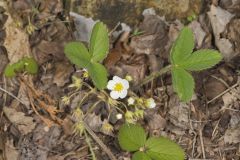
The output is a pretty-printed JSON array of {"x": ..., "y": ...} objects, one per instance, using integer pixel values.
[
  {"x": 111, "y": 84},
  {"x": 123, "y": 94},
  {"x": 125, "y": 83},
  {"x": 117, "y": 79},
  {"x": 153, "y": 105},
  {"x": 114, "y": 94}
]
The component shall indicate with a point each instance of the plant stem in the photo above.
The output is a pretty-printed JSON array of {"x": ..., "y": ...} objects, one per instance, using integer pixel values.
[
  {"x": 90, "y": 145},
  {"x": 155, "y": 75},
  {"x": 99, "y": 142}
]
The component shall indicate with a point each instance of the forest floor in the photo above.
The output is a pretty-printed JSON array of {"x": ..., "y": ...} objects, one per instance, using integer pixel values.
[{"x": 35, "y": 124}]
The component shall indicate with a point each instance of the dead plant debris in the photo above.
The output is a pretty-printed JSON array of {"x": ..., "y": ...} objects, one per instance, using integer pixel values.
[{"x": 36, "y": 124}]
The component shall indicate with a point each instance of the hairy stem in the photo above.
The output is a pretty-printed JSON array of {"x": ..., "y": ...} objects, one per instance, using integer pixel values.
[
  {"x": 90, "y": 145},
  {"x": 99, "y": 142},
  {"x": 155, "y": 75}
]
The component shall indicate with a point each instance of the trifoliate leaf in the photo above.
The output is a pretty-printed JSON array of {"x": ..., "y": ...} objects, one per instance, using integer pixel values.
[
  {"x": 201, "y": 59},
  {"x": 131, "y": 137},
  {"x": 183, "y": 83},
  {"x": 183, "y": 46},
  {"x": 99, "y": 42},
  {"x": 78, "y": 54},
  {"x": 30, "y": 65},
  {"x": 140, "y": 156},
  {"x": 164, "y": 149},
  {"x": 98, "y": 73}
]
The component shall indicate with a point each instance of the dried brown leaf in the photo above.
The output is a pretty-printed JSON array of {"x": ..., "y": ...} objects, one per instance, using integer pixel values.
[
  {"x": 62, "y": 73},
  {"x": 179, "y": 113},
  {"x": 232, "y": 135},
  {"x": 11, "y": 152},
  {"x": 94, "y": 122},
  {"x": 16, "y": 41},
  {"x": 24, "y": 123}
]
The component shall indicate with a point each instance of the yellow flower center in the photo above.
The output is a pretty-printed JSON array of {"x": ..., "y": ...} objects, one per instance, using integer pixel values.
[{"x": 118, "y": 87}]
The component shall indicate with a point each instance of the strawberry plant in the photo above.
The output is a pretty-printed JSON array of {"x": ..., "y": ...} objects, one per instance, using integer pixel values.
[
  {"x": 92, "y": 57},
  {"x": 184, "y": 61},
  {"x": 133, "y": 138}
]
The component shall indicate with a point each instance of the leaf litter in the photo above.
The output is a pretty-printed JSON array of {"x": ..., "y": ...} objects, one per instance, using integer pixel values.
[{"x": 207, "y": 128}]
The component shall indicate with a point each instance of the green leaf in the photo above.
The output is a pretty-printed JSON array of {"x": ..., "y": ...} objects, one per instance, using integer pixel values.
[
  {"x": 183, "y": 46},
  {"x": 201, "y": 59},
  {"x": 98, "y": 73},
  {"x": 25, "y": 64},
  {"x": 164, "y": 149},
  {"x": 18, "y": 66},
  {"x": 30, "y": 65},
  {"x": 131, "y": 137},
  {"x": 99, "y": 42},
  {"x": 78, "y": 54},
  {"x": 183, "y": 83},
  {"x": 140, "y": 156},
  {"x": 9, "y": 71}
]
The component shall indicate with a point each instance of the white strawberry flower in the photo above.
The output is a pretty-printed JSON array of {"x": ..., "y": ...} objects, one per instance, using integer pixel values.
[
  {"x": 119, "y": 87},
  {"x": 150, "y": 103}
]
